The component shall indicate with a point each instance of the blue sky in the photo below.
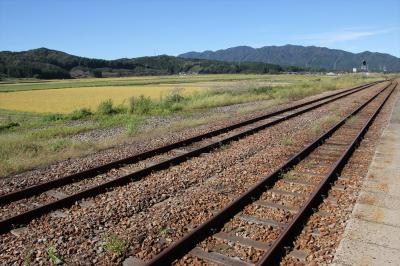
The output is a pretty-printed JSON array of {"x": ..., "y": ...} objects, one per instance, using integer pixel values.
[{"x": 115, "y": 29}]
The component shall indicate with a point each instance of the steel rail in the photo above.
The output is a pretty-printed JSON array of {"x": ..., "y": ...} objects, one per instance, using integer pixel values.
[
  {"x": 24, "y": 217},
  {"x": 277, "y": 250},
  {"x": 40, "y": 188},
  {"x": 216, "y": 222}
]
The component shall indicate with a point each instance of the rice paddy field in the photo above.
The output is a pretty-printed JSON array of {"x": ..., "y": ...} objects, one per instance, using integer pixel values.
[
  {"x": 69, "y": 99},
  {"x": 62, "y": 96}
]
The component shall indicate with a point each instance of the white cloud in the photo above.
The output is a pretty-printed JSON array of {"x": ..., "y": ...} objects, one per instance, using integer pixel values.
[{"x": 341, "y": 36}]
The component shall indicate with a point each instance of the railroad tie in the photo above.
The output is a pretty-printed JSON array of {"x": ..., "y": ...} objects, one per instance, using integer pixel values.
[
  {"x": 267, "y": 204},
  {"x": 256, "y": 220},
  {"x": 218, "y": 258},
  {"x": 242, "y": 241}
]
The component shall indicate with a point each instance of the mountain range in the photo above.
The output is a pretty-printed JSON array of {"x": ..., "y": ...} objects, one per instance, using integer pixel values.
[
  {"x": 302, "y": 56},
  {"x": 45, "y": 63}
]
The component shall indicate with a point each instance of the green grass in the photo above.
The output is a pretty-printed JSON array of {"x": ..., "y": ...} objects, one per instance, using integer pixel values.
[
  {"x": 52, "y": 253},
  {"x": 309, "y": 164},
  {"x": 165, "y": 231},
  {"x": 116, "y": 245},
  {"x": 132, "y": 126},
  {"x": 316, "y": 128},
  {"x": 28, "y": 256},
  {"x": 352, "y": 120},
  {"x": 289, "y": 176},
  {"x": 287, "y": 141},
  {"x": 324, "y": 122}
]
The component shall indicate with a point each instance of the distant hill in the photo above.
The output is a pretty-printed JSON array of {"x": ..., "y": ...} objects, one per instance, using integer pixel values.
[
  {"x": 302, "y": 56},
  {"x": 49, "y": 64}
]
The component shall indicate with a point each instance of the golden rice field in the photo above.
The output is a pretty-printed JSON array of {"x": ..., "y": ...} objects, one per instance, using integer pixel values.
[
  {"x": 66, "y": 100},
  {"x": 70, "y": 99}
]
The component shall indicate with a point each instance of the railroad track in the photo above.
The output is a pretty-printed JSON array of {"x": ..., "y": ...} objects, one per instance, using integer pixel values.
[
  {"x": 65, "y": 191},
  {"x": 267, "y": 218}
]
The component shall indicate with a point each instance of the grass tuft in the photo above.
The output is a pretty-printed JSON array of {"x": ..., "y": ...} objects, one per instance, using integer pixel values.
[
  {"x": 107, "y": 108},
  {"x": 58, "y": 145},
  {"x": 140, "y": 105},
  {"x": 28, "y": 256},
  {"x": 132, "y": 127},
  {"x": 116, "y": 245},
  {"x": 352, "y": 120},
  {"x": 317, "y": 128},
  {"x": 309, "y": 164},
  {"x": 52, "y": 253},
  {"x": 164, "y": 231},
  {"x": 287, "y": 141},
  {"x": 80, "y": 114},
  {"x": 289, "y": 176},
  {"x": 53, "y": 117}
]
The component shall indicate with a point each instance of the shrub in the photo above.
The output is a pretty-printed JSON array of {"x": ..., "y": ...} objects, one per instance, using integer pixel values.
[
  {"x": 174, "y": 97},
  {"x": 80, "y": 114},
  {"x": 106, "y": 108},
  {"x": 140, "y": 105},
  {"x": 9, "y": 125},
  {"x": 172, "y": 102},
  {"x": 53, "y": 117}
]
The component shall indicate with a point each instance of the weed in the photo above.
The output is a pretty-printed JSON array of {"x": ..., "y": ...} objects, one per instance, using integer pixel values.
[
  {"x": 263, "y": 90},
  {"x": 287, "y": 141},
  {"x": 175, "y": 96},
  {"x": 140, "y": 105},
  {"x": 9, "y": 125},
  {"x": 352, "y": 120},
  {"x": 52, "y": 253},
  {"x": 165, "y": 231},
  {"x": 58, "y": 145},
  {"x": 309, "y": 164},
  {"x": 316, "y": 128},
  {"x": 28, "y": 256},
  {"x": 132, "y": 127},
  {"x": 222, "y": 146},
  {"x": 30, "y": 148},
  {"x": 331, "y": 119},
  {"x": 289, "y": 176},
  {"x": 80, "y": 114},
  {"x": 116, "y": 245},
  {"x": 53, "y": 117},
  {"x": 107, "y": 108}
]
